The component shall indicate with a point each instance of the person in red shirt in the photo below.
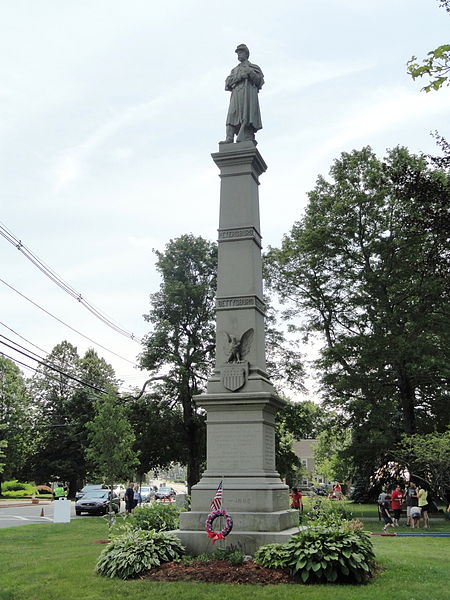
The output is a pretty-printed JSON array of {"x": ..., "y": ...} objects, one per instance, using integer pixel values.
[
  {"x": 396, "y": 504},
  {"x": 337, "y": 491},
  {"x": 296, "y": 499}
]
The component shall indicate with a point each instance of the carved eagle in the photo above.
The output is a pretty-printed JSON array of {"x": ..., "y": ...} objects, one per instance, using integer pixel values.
[{"x": 235, "y": 349}]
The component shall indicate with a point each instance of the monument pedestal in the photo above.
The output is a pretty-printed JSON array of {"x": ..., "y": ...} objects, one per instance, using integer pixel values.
[{"x": 240, "y": 401}]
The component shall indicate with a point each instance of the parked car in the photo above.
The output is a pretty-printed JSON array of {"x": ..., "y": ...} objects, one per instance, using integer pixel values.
[
  {"x": 97, "y": 502},
  {"x": 147, "y": 493},
  {"x": 165, "y": 492},
  {"x": 89, "y": 488}
]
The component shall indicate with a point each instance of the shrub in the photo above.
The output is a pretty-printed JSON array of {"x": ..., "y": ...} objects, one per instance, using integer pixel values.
[
  {"x": 136, "y": 551},
  {"x": 231, "y": 554},
  {"x": 157, "y": 516},
  {"x": 323, "y": 554},
  {"x": 327, "y": 513},
  {"x": 17, "y": 489},
  {"x": 272, "y": 556}
]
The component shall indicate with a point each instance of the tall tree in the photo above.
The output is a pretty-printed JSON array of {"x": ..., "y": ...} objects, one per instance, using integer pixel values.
[
  {"x": 15, "y": 419},
  {"x": 64, "y": 406},
  {"x": 110, "y": 451},
  {"x": 367, "y": 267},
  {"x": 158, "y": 428},
  {"x": 182, "y": 341}
]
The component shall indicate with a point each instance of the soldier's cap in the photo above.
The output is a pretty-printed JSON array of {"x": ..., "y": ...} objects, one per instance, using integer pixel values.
[{"x": 242, "y": 47}]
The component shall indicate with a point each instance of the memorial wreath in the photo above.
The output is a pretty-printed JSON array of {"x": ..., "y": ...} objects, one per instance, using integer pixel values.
[{"x": 209, "y": 525}]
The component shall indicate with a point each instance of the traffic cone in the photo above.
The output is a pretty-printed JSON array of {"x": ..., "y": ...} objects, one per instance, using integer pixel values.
[{"x": 42, "y": 512}]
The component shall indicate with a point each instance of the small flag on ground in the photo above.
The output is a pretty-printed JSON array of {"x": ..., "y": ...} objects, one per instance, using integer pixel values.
[{"x": 216, "y": 502}]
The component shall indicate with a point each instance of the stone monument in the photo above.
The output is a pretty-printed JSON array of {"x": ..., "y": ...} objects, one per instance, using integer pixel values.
[{"x": 240, "y": 401}]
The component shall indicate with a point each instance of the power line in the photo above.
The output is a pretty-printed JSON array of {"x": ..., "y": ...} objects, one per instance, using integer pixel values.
[
  {"x": 19, "y": 362},
  {"x": 66, "y": 325},
  {"x": 53, "y": 368},
  {"x": 23, "y": 338},
  {"x": 53, "y": 276}
]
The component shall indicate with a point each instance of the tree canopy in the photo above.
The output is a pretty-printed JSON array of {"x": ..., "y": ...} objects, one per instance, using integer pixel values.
[
  {"x": 181, "y": 344},
  {"x": 436, "y": 65},
  {"x": 110, "y": 452},
  {"x": 367, "y": 268}
]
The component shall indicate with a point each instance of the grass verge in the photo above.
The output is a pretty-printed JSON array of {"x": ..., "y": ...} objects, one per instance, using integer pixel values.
[{"x": 55, "y": 561}]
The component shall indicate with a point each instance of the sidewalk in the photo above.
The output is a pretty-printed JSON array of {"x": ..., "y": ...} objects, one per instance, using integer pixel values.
[{"x": 5, "y": 503}]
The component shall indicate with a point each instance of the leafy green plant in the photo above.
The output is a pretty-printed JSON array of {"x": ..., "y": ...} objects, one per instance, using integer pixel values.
[
  {"x": 157, "y": 516},
  {"x": 323, "y": 554},
  {"x": 231, "y": 554},
  {"x": 17, "y": 489},
  {"x": 327, "y": 513},
  {"x": 137, "y": 551},
  {"x": 272, "y": 556}
]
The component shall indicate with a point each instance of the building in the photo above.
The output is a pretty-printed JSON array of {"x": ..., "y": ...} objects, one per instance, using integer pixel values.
[{"x": 304, "y": 449}]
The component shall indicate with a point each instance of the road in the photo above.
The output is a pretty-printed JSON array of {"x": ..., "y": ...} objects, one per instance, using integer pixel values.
[{"x": 14, "y": 516}]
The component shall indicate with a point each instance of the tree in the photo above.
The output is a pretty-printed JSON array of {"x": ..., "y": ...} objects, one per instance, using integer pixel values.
[
  {"x": 367, "y": 268},
  {"x": 182, "y": 341},
  {"x": 158, "y": 429},
  {"x": 428, "y": 456},
  {"x": 15, "y": 419},
  {"x": 330, "y": 455},
  {"x": 436, "y": 66},
  {"x": 3, "y": 445},
  {"x": 63, "y": 407},
  {"x": 110, "y": 452}
]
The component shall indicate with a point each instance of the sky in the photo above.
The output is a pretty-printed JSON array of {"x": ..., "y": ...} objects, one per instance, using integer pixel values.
[{"x": 110, "y": 110}]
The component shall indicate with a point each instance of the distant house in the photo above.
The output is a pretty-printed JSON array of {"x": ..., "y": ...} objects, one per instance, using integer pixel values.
[{"x": 304, "y": 449}]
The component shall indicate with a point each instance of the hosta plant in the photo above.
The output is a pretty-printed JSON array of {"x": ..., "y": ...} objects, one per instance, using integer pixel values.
[
  {"x": 323, "y": 554},
  {"x": 137, "y": 551},
  {"x": 157, "y": 516},
  {"x": 272, "y": 556}
]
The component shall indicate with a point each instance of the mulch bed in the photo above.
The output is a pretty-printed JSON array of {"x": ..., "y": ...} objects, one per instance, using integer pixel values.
[{"x": 218, "y": 571}]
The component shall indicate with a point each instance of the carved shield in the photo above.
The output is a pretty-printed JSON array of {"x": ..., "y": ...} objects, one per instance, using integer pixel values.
[{"x": 234, "y": 376}]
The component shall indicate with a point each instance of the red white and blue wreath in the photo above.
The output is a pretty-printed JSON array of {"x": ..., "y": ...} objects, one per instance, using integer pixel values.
[{"x": 225, "y": 531}]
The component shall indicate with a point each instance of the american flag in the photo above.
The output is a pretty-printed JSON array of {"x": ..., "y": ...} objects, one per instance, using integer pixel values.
[{"x": 216, "y": 502}]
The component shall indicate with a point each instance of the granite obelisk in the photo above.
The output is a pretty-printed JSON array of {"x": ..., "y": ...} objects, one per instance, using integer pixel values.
[{"x": 240, "y": 401}]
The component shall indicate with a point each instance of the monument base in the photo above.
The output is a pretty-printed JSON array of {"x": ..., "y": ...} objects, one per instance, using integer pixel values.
[
  {"x": 197, "y": 542},
  {"x": 241, "y": 454}
]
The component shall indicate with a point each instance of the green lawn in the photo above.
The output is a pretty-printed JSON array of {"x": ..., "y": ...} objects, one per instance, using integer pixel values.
[{"x": 57, "y": 562}]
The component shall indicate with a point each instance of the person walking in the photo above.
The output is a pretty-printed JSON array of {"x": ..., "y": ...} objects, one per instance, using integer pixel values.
[
  {"x": 129, "y": 498},
  {"x": 422, "y": 496},
  {"x": 396, "y": 504},
  {"x": 386, "y": 515}
]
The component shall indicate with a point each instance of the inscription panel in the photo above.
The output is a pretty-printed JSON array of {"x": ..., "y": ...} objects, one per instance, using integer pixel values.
[
  {"x": 269, "y": 448},
  {"x": 239, "y": 233},
  {"x": 237, "y": 302},
  {"x": 234, "y": 448}
]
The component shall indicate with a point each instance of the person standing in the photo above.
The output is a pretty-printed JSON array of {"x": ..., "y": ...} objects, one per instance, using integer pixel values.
[
  {"x": 129, "y": 498},
  {"x": 137, "y": 498},
  {"x": 422, "y": 496},
  {"x": 396, "y": 504},
  {"x": 337, "y": 491},
  {"x": 411, "y": 501},
  {"x": 59, "y": 491},
  {"x": 297, "y": 499}
]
